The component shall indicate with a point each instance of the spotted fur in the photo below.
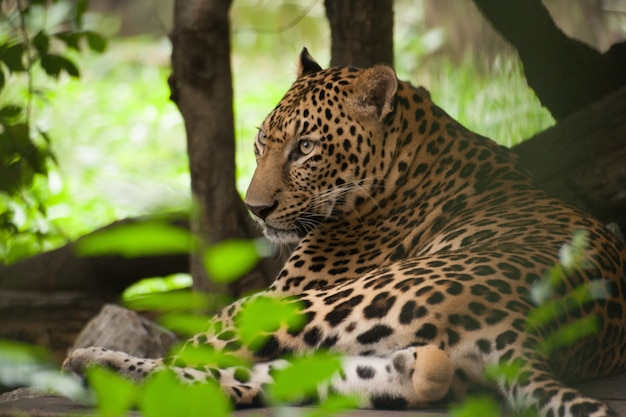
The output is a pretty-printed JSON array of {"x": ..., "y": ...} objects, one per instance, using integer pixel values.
[{"x": 412, "y": 232}]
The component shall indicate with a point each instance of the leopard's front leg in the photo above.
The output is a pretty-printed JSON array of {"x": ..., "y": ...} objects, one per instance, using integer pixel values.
[
  {"x": 79, "y": 360},
  {"x": 408, "y": 378}
]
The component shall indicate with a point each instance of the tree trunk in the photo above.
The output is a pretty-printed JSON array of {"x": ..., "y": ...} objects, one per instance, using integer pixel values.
[
  {"x": 361, "y": 32},
  {"x": 62, "y": 269},
  {"x": 46, "y": 299},
  {"x": 565, "y": 73},
  {"x": 201, "y": 84},
  {"x": 583, "y": 158}
]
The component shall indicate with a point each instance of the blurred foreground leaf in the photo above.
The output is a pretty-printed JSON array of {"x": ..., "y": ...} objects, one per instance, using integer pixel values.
[
  {"x": 164, "y": 396},
  {"x": 571, "y": 333},
  {"x": 96, "y": 42},
  {"x": 473, "y": 406},
  {"x": 17, "y": 352},
  {"x": 173, "y": 301},
  {"x": 116, "y": 394},
  {"x": 158, "y": 284},
  {"x": 207, "y": 355},
  {"x": 335, "y": 404},
  {"x": 136, "y": 239},
  {"x": 262, "y": 315},
  {"x": 185, "y": 324},
  {"x": 31, "y": 366},
  {"x": 231, "y": 259},
  {"x": 301, "y": 378}
]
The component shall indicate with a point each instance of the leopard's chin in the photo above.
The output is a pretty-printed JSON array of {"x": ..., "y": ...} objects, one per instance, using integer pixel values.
[
  {"x": 283, "y": 236},
  {"x": 294, "y": 233}
]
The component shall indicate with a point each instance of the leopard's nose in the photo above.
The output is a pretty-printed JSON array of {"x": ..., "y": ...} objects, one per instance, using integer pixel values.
[{"x": 262, "y": 211}]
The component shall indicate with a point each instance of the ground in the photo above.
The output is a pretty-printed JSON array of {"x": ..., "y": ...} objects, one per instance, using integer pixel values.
[{"x": 611, "y": 390}]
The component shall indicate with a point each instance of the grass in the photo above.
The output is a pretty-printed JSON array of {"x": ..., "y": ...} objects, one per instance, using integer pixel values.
[{"x": 121, "y": 144}]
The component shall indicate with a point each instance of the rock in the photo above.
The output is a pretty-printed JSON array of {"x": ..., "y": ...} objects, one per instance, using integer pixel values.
[
  {"x": 120, "y": 329},
  {"x": 20, "y": 393}
]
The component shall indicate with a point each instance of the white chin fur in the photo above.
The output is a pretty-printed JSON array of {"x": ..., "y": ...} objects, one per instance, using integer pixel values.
[{"x": 281, "y": 236}]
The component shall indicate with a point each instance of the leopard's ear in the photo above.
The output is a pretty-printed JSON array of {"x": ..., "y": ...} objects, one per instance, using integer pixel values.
[
  {"x": 307, "y": 64},
  {"x": 373, "y": 91}
]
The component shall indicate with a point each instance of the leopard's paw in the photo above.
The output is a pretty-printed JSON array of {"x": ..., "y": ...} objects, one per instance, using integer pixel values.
[
  {"x": 433, "y": 373},
  {"x": 83, "y": 358}
]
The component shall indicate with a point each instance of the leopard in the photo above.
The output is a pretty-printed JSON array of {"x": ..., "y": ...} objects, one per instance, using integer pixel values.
[{"x": 417, "y": 250}]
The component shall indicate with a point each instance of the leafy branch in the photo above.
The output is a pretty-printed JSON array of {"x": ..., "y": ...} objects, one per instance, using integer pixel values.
[{"x": 28, "y": 45}]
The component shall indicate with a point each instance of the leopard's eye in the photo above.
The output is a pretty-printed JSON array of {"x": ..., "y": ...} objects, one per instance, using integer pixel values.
[
  {"x": 305, "y": 146},
  {"x": 261, "y": 136},
  {"x": 261, "y": 140}
]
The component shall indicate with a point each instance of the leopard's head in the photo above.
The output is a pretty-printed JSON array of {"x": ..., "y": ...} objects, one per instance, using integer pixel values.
[{"x": 320, "y": 151}]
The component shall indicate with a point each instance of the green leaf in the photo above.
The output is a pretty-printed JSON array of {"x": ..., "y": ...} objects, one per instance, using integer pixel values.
[
  {"x": 2, "y": 79},
  {"x": 16, "y": 353},
  {"x": 478, "y": 405},
  {"x": 81, "y": 8},
  {"x": 158, "y": 285},
  {"x": 164, "y": 396},
  {"x": 96, "y": 42},
  {"x": 335, "y": 404},
  {"x": 10, "y": 110},
  {"x": 187, "y": 324},
  {"x": 13, "y": 57},
  {"x": 202, "y": 355},
  {"x": 136, "y": 239},
  {"x": 172, "y": 301},
  {"x": 509, "y": 372},
  {"x": 301, "y": 378},
  {"x": 571, "y": 333},
  {"x": 262, "y": 315},
  {"x": 116, "y": 394},
  {"x": 53, "y": 65},
  {"x": 231, "y": 259},
  {"x": 41, "y": 42},
  {"x": 71, "y": 39},
  {"x": 550, "y": 310}
]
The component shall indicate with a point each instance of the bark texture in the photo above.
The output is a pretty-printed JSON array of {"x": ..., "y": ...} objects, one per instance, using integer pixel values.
[
  {"x": 201, "y": 84},
  {"x": 361, "y": 32},
  {"x": 565, "y": 73},
  {"x": 582, "y": 159},
  {"x": 62, "y": 269},
  {"x": 47, "y": 299}
]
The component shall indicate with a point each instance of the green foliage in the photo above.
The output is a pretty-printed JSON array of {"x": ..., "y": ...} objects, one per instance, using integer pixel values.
[
  {"x": 231, "y": 259},
  {"x": 509, "y": 372},
  {"x": 478, "y": 405},
  {"x": 162, "y": 395},
  {"x": 29, "y": 43},
  {"x": 334, "y": 404},
  {"x": 207, "y": 355},
  {"x": 31, "y": 366},
  {"x": 171, "y": 301},
  {"x": 262, "y": 315},
  {"x": 187, "y": 324},
  {"x": 136, "y": 239},
  {"x": 301, "y": 378},
  {"x": 570, "y": 333},
  {"x": 121, "y": 393},
  {"x": 157, "y": 285}
]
